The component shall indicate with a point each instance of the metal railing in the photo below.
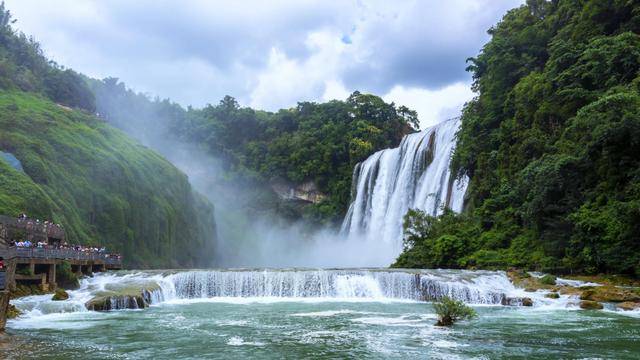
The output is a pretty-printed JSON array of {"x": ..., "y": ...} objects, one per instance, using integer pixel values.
[{"x": 66, "y": 254}]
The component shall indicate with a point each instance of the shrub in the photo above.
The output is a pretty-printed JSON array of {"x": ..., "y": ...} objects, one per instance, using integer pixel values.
[
  {"x": 66, "y": 277},
  {"x": 548, "y": 280},
  {"x": 24, "y": 271},
  {"x": 450, "y": 311}
]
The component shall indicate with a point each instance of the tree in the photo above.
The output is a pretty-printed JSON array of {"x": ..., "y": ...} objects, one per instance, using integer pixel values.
[{"x": 450, "y": 311}]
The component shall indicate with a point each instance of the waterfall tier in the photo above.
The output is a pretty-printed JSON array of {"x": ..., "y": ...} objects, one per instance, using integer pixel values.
[
  {"x": 471, "y": 287},
  {"x": 415, "y": 175}
]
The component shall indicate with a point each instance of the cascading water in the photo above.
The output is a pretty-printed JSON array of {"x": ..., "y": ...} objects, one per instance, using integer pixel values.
[
  {"x": 415, "y": 175},
  {"x": 475, "y": 287},
  {"x": 471, "y": 287}
]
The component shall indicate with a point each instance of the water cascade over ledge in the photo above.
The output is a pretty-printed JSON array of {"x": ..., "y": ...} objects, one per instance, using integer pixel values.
[
  {"x": 415, "y": 175},
  {"x": 247, "y": 285}
]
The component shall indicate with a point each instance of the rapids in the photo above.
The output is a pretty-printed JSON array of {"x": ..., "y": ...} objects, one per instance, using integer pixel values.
[{"x": 301, "y": 313}]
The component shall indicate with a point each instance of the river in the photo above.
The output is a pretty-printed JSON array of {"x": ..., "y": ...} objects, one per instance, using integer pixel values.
[{"x": 303, "y": 313}]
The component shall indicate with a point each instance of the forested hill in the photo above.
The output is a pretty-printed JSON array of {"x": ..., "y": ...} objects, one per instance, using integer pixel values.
[
  {"x": 552, "y": 146},
  {"x": 75, "y": 169},
  {"x": 319, "y": 143}
]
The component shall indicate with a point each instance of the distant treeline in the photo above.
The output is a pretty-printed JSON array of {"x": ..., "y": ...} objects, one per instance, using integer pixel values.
[{"x": 310, "y": 142}]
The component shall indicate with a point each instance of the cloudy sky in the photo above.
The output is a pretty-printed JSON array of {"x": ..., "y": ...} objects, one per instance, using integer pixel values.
[{"x": 271, "y": 54}]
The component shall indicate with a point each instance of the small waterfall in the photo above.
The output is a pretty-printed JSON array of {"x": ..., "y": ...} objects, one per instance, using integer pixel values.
[
  {"x": 241, "y": 285},
  {"x": 414, "y": 175},
  {"x": 471, "y": 287}
]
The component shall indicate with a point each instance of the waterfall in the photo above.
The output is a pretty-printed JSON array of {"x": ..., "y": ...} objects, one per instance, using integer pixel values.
[
  {"x": 479, "y": 287},
  {"x": 290, "y": 285},
  {"x": 415, "y": 175}
]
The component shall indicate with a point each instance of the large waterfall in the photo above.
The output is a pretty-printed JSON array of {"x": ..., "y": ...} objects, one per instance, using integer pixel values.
[{"x": 415, "y": 175}]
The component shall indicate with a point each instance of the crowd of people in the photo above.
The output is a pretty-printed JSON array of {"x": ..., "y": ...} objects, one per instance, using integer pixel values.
[
  {"x": 22, "y": 218},
  {"x": 65, "y": 246},
  {"x": 57, "y": 245},
  {"x": 44, "y": 245}
]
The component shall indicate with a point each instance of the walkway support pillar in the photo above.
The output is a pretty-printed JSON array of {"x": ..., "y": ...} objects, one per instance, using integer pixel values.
[{"x": 51, "y": 277}]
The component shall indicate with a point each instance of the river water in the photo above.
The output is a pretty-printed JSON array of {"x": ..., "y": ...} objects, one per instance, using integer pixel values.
[{"x": 294, "y": 314}]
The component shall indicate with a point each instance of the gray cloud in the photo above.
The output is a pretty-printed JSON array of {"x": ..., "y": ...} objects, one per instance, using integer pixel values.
[{"x": 197, "y": 51}]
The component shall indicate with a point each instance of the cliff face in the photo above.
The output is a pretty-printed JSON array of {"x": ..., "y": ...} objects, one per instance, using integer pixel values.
[
  {"x": 305, "y": 192},
  {"x": 103, "y": 187}
]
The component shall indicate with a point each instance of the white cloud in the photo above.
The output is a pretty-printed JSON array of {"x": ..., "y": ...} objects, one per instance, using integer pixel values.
[
  {"x": 271, "y": 54},
  {"x": 433, "y": 106}
]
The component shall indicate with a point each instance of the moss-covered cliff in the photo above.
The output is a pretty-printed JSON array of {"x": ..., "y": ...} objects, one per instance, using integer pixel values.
[{"x": 103, "y": 187}]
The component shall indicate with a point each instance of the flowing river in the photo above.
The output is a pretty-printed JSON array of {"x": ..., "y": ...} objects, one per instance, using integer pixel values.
[{"x": 303, "y": 313}]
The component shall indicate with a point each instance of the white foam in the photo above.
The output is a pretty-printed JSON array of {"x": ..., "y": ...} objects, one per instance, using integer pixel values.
[
  {"x": 329, "y": 313},
  {"x": 238, "y": 341},
  {"x": 394, "y": 321}
]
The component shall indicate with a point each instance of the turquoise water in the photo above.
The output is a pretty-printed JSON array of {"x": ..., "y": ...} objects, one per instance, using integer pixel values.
[{"x": 324, "y": 328}]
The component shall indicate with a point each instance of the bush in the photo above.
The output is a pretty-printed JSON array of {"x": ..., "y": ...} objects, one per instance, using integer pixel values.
[
  {"x": 548, "y": 280},
  {"x": 449, "y": 311},
  {"x": 24, "y": 271},
  {"x": 67, "y": 278}
]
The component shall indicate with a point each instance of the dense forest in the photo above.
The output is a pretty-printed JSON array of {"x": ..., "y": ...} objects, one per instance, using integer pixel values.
[
  {"x": 310, "y": 142},
  {"x": 76, "y": 170},
  {"x": 552, "y": 146}
]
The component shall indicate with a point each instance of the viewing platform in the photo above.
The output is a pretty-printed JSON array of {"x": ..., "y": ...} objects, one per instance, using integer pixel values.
[
  {"x": 35, "y": 263},
  {"x": 31, "y": 250}
]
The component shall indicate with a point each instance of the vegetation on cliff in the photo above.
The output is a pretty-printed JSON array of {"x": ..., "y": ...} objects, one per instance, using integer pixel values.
[
  {"x": 551, "y": 144},
  {"x": 104, "y": 188},
  {"x": 310, "y": 142}
]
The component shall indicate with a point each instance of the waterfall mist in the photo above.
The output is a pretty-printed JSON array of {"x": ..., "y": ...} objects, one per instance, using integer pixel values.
[{"x": 414, "y": 175}]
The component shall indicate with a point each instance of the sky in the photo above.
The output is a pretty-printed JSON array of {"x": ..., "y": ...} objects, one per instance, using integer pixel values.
[{"x": 272, "y": 54}]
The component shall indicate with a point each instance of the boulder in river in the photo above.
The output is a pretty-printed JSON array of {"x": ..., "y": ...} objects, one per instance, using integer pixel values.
[
  {"x": 517, "y": 301},
  {"x": 552, "y": 295},
  {"x": 60, "y": 295},
  {"x": 629, "y": 305},
  {"x": 116, "y": 302},
  {"x": 608, "y": 293},
  {"x": 126, "y": 298},
  {"x": 590, "y": 305}
]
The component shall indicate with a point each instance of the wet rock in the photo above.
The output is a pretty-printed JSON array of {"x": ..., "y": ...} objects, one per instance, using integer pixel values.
[
  {"x": 60, "y": 295},
  {"x": 552, "y": 295},
  {"x": 610, "y": 294},
  {"x": 13, "y": 312},
  {"x": 106, "y": 303},
  {"x": 590, "y": 305},
  {"x": 26, "y": 290},
  {"x": 517, "y": 301},
  {"x": 523, "y": 279},
  {"x": 126, "y": 298},
  {"x": 570, "y": 290},
  {"x": 629, "y": 305}
]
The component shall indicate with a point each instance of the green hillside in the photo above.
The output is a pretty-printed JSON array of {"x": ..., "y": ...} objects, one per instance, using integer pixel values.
[
  {"x": 103, "y": 187},
  {"x": 552, "y": 146}
]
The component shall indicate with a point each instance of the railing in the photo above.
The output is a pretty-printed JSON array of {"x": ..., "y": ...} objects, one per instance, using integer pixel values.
[{"x": 67, "y": 254}]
